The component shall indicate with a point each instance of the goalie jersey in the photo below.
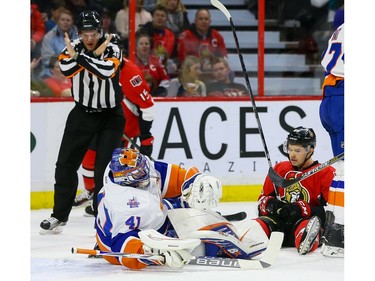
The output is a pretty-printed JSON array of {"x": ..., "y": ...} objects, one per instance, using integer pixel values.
[{"x": 123, "y": 211}]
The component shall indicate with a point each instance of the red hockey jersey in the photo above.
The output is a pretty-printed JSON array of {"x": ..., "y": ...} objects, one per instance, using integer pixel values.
[
  {"x": 310, "y": 189},
  {"x": 138, "y": 103},
  {"x": 190, "y": 43}
]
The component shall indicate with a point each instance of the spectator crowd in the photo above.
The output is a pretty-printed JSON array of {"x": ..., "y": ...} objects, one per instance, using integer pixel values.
[{"x": 175, "y": 55}]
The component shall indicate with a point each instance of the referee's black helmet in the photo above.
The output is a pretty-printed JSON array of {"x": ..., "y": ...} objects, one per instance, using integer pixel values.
[{"x": 89, "y": 20}]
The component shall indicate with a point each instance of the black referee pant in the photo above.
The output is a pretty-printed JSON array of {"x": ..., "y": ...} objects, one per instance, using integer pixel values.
[{"x": 82, "y": 126}]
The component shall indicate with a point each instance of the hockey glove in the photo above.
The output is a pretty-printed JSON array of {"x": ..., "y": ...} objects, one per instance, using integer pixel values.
[
  {"x": 147, "y": 146},
  {"x": 292, "y": 212},
  {"x": 201, "y": 192},
  {"x": 268, "y": 205},
  {"x": 173, "y": 258}
]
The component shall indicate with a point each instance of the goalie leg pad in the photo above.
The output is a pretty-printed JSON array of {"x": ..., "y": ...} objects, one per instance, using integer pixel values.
[
  {"x": 156, "y": 240},
  {"x": 251, "y": 234}
]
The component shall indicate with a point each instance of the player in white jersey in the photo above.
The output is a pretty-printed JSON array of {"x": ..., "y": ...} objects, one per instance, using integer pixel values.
[
  {"x": 136, "y": 196},
  {"x": 332, "y": 118}
]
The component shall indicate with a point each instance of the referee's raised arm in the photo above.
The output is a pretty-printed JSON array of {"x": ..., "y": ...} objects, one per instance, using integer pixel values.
[{"x": 97, "y": 121}]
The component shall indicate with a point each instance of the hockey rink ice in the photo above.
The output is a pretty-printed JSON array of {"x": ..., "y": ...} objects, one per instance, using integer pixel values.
[{"x": 51, "y": 257}]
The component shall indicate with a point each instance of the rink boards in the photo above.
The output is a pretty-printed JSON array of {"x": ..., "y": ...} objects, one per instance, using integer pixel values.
[{"x": 218, "y": 136}]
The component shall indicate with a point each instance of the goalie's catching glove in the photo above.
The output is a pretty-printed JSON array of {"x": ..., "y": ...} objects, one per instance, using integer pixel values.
[{"x": 201, "y": 191}]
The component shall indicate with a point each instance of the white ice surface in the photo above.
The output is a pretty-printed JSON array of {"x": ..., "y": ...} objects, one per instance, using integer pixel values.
[{"x": 51, "y": 259}]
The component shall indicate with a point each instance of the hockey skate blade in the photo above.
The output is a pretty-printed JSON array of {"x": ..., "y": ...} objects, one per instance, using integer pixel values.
[{"x": 56, "y": 230}]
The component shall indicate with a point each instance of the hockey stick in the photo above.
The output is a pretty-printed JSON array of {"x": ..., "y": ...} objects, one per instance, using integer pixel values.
[
  {"x": 236, "y": 216},
  {"x": 217, "y": 4},
  {"x": 268, "y": 259},
  {"x": 135, "y": 145},
  {"x": 286, "y": 183}
]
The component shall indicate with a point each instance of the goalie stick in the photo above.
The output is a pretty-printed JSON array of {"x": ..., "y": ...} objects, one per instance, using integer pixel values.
[
  {"x": 217, "y": 4},
  {"x": 269, "y": 256},
  {"x": 281, "y": 182}
]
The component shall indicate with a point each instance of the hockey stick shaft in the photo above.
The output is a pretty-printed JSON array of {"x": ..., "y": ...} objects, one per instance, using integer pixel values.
[
  {"x": 225, "y": 11},
  {"x": 269, "y": 256},
  {"x": 135, "y": 145},
  {"x": 117, "y": 254},
  {"x": 286, "y": 183}
]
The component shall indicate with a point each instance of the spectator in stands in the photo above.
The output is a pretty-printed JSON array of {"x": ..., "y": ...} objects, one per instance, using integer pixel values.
[
  {"x": 223, "y": 86},
  {"x": 188, "y": 83},
  {"x": 154, "y": 72},
  {"x": 108, "y": 24},
  {"x": 163, "y": 39},
  {"x": 149, "y": 5},
  {"x": 53, "y": 41},
  {"x": 142, "y": 17},
  {"x": 37, "y": 86},
  {"x": 51, "y": 13},
  {"x": 78, "y": 6},
  {"x": 57, "y": 82},
  {"x": 177, "y": 17},
  {"x": 37, "y": 30},
  {"x": 201, "y": 40}
]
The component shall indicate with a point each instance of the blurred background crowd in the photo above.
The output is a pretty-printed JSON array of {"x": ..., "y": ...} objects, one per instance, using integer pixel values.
[{"x": 186, "y": 48}]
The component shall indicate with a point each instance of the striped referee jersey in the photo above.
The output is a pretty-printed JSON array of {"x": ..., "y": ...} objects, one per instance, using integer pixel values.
[{"x": 95, "y": 81}]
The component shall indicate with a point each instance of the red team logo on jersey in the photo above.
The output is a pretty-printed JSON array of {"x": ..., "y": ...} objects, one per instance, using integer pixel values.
[{"x": 296, "y": 191}]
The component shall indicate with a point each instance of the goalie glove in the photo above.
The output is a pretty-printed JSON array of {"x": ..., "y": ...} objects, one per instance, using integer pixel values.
[{"x": 201, "y": 192}]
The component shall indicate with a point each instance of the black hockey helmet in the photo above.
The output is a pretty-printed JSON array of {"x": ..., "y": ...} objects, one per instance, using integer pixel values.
[
  {"x": 89, "y": 20},
  {"x": 302, "y": 136}
]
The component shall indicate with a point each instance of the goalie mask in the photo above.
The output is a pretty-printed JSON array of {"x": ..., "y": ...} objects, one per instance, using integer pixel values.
[{"x": 130, "y": 168}]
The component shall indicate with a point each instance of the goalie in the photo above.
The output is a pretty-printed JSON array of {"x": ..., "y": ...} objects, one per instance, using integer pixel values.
[{"x": 133, "y": 214}]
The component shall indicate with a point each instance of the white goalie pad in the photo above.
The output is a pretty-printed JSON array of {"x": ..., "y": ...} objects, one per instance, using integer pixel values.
[
  {"x": 156, "y": 240},
  {"x": 212, "y": 228},
  {"x": 188, "y": 220}
]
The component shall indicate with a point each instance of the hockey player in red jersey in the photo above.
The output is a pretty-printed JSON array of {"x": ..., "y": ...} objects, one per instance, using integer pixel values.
[
  {"x": 138, "y": 107},
  {"x": 297, "y": 210}
]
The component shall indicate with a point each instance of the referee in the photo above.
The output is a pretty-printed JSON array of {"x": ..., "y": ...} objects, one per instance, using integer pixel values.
[{"x": 92, "y": 63}]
